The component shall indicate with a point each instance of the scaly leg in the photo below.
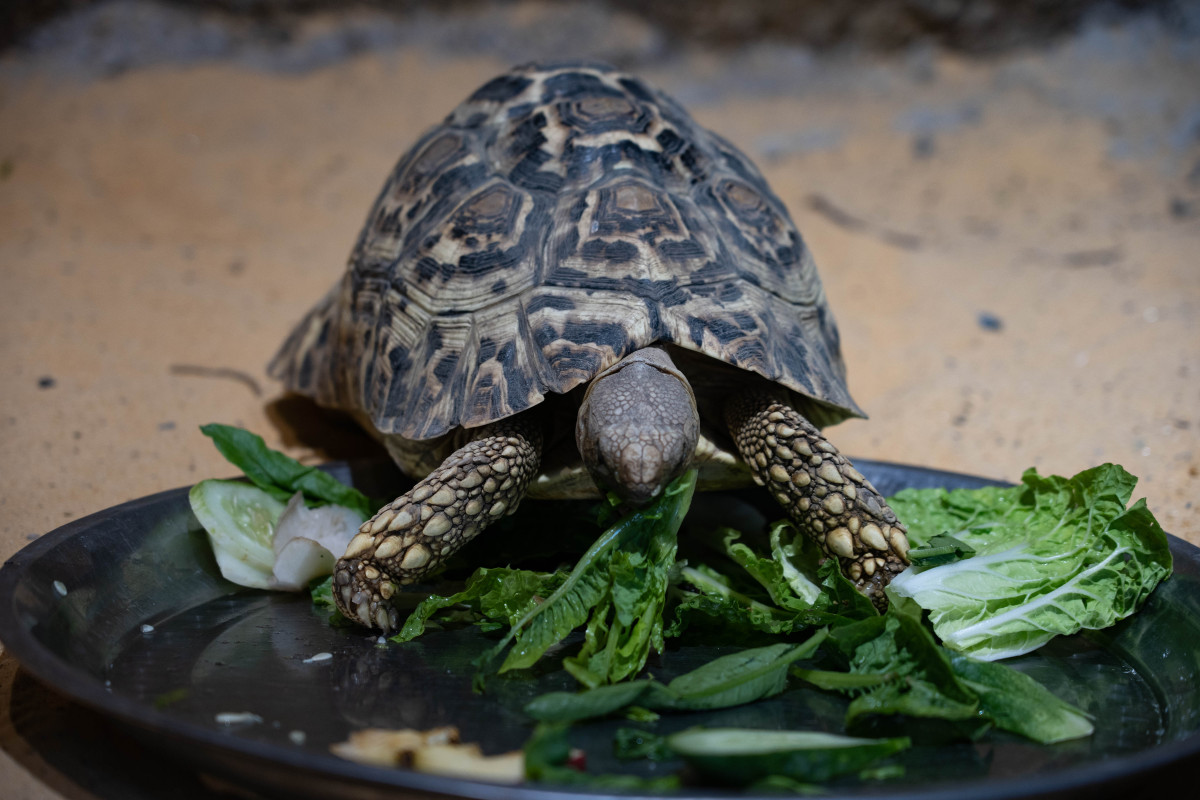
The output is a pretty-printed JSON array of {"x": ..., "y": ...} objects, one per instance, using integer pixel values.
[
  {"x": 827, "y": 498},
  {"x": 414, "y": 534}
]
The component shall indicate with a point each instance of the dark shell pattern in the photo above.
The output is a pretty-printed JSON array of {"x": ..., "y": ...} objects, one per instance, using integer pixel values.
[{"x": 559, "y": 219}]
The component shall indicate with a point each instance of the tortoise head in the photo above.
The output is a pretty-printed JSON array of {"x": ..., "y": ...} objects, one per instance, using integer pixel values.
[{"x": 637, "y": 426}]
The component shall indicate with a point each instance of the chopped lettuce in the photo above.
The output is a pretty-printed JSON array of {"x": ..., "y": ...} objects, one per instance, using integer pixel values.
[
  {"x": 919, "y": 679},
  {"x": 1052, "y": 556},
  {"x": 895, "y": 667},
  {"x": 499, "y": 594},
  {"x": 624, "y": 621}
]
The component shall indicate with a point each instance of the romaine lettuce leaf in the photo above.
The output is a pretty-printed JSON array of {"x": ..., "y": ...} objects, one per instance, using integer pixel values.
[{"x": 1052, "y": 556}]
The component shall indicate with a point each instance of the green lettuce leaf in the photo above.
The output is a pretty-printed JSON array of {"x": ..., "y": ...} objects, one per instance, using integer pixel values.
[
  {"x": 782, "y": 571},
  {"x": 894, "y": 666},
  {"x": 922, "y": 683},
  {"x": 281, "y": 476},
  {"x": 1019, "y": 703},
  {"x": 1052, "y": 556},
  {"x": 500, "y": 594},
  {"x": 600, "y": 582},
  {"x": 706, "y": 601},
  {"x": 730, "y": 680},
  {"x": 629, "y": 621}
]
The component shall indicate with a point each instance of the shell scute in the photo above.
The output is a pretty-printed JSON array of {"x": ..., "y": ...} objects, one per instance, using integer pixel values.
[{"x": 560, "y": 218}]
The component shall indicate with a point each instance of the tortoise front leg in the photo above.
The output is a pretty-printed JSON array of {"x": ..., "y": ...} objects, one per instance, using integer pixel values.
[
  {"x": 827, "y": 498},
  {"x": 414, "y": 534}
]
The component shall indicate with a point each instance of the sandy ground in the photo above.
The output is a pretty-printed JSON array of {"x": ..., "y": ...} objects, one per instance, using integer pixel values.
[{"x": 1009, "y": 246}]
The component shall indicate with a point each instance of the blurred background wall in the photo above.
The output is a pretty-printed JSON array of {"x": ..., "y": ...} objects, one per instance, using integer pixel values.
[
  {"x": 977, "y": 26},
  {"x": 1003, "y": 199}
]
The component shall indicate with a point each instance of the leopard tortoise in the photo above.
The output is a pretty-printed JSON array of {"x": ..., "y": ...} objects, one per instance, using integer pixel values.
[{"x": 569, "y": 250}]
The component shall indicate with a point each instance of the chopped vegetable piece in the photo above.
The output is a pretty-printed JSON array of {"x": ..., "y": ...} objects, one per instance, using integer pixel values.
[
  {"x": 385, "y": 747},
  {"x": 331, "y": 526},
  {"x": 467, "y": 761},
  {"x": 240, "y": 521},
  {"x": 238, "y": 718},
  {"x": 308, "y": 542},
  {"x": 941, "y": 549},
  {"x": 740, "y": 756}
]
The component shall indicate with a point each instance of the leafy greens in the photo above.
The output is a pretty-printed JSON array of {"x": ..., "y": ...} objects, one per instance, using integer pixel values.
[
  {"x": 618, "y": 588},
  {"x": 279, "y": 475},
  {"x": 1052, "y": 556},
  {"x": 999, "y": 571}
]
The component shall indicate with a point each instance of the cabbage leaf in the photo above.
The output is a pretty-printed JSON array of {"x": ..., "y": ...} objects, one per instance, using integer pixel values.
[{"x": 1052, "y": 556}]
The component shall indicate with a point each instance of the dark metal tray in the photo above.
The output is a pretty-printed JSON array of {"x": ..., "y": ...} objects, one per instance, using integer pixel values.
[{"x": 212, "y": 647}]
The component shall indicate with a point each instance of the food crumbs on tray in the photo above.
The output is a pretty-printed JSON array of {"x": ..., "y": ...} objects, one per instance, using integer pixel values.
[
  {"x": 318, "y": 657},
  {"x": 437, "y": 751},
  {"x": 238, "y": 718},
  {"x": 147, "y": 629},
  {"x": 61, "y": 588},
  {"x": 468, "y": 761},
  {"x": 297, "y": 737},
  {"x": 384, "y": 747}
]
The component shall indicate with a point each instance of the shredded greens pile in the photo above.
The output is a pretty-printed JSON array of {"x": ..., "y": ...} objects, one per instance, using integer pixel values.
[{"x": 997, "y": 572}]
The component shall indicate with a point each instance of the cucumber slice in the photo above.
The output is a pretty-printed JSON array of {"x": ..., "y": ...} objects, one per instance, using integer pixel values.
[
  {"x": 240, "y": 522},
  {"x": 740, "y": 755}
]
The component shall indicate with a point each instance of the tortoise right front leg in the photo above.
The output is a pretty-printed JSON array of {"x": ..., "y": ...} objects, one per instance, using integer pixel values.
[
  {"x": 414, "y": 534},
  {"x": 828, "y": 499}
]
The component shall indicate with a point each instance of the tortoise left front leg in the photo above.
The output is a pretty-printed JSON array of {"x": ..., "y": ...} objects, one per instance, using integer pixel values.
[
  {"x": 828, "y": 499},
  {"x": 413, "y": 535}
]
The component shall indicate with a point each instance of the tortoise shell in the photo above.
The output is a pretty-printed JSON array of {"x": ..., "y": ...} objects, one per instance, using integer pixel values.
[{"x": 561, "y": 218}]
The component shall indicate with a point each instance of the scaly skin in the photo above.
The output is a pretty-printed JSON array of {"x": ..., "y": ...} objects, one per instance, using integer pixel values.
[
  {"x": 822, "y": 492},
  {"x": 638, "y": 426},
  {"x": 413, "y": 535}
]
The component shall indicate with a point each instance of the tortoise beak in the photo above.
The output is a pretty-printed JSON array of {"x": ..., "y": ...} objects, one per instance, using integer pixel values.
[
  {"x": 640, "y": 470},
  {"x": 638, "y": 426}
]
